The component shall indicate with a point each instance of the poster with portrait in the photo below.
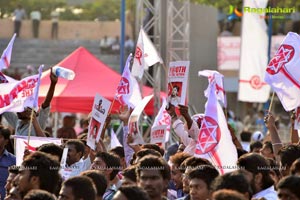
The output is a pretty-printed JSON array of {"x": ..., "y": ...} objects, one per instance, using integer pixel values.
[
  {"x": 133, "y": 123},
  {"x": 99, "y": 113},
  {"x": 158, "y": 134},
  {"x": 177, "y": 82}
]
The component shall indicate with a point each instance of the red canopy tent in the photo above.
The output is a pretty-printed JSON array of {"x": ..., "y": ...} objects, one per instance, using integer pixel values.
[{"x": 92, "y": 76}]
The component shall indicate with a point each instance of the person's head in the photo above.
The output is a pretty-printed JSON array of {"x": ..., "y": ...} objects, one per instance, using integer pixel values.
[
  {"x": 274, "y": 171},
  {"x": 131, "y": 192},
  {"x": 225, "y": 194},
  {"x": 255, "y": 147},
  {"x": 175, "y": 91},
  {"x": 257, "y": 136},
  {"x": 12, "y": 173},
  {"x": 78, "y": 188},
  {"x": 235, "y": 180},
  {"x": 186, "y": 166},
  {"x": 4, "y": 137},
  {"x": 25, "y": 115},
  {"x": 153, "y": 175},
  {"x": 99, "y": 181},
  {"x": 69, "y": 121},
  {"x": 39, "y": 195},
  {"x": 107, "y": 163},
  {"x": 75, "y": 151},
  {"x": 53, "y": 149},
  {"x": 38, "y": 171},
  {"x": 241, "y": 152},
  {"x": 129, "y": 176},
  {"x": 257, "y": 171},
  {"x": 295, "y": 168},
  {"x": 246, "y": 136},
  {"x": 200, "y": 182},
  {"x": 267, "y": 150},
  {"x": 288, "y": 154},
  {"x": 119, "y": 151},
  {"x": 176, "y": 174},
  {"x": 145, "y": 152},
  {"x": 154, "y": 147},
  {"x": 288, "y": 188}
]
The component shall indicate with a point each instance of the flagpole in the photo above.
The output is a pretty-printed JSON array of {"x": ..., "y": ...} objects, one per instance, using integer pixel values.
[
  {"x": 270, "y": 31},
  {"x": 271, "y": 103},
  {"x": 30, "y": 126}
]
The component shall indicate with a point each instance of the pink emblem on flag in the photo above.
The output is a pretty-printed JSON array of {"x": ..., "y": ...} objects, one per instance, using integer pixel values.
[{"x": 6, "y": 55}]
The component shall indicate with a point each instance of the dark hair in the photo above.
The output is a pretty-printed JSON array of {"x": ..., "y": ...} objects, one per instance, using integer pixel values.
[
  {"x": 193, "y": 162},
  {"x": 154, "y": 147},
  {"x": 206, "y": 173},
  {"x": 288, "y": 154},
  {"x": 66, "y": 132},
  {"x": 235, "y": 180},
  {"x": 246, "y": 136},
  {"x": 98, "y": 179},
  {"x": 82, "y": 187},
  {"x": 145, "y": 152},
  {"x": 129, "y": 173},
  {"x": 39, "y": 195},
  {"x": 290, "y": 183},
  {"x": 111, "y": 161},
  {"x": 52, "y": 149},
  {"x": 241, "y": 152},
  {"x": 295, "y": 168},
  {"x": 268, "y": 144},
  {"x": 79, "y": 146},
  {"x": 225, "y": 194},
  {"x": 154, "y": 163},
  {"x": 45, "y": 167},
  {"x": 14, "y": 169},
  {"x": 134, "y": 192},
  {"x": 255, "y": 163},
  {"x": 178, "y": 158},
  {"x": 5, "y": 132},
  {"x": 256, "y": 144},
  {"x": 119, "y": 151}
]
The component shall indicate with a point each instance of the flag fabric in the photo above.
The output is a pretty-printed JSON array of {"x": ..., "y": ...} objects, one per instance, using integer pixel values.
[
  {"x": 36, "y": 89},
  {"x": 114, "y": 141},
  {"x": 6, "y": 55},
  {"x": 254, "y": 55},
  {"x": 283, "y": 74},
  {"x": 214, "y": 140},
  {"x": 128, "y": 91},
  {"x": 22, "y": 142},
  {"x": 145, "y": 55},
  {"x": 16, "y": 95},
  {"x": 218, "y": 79},
  {"x": 163, "y": 118}
]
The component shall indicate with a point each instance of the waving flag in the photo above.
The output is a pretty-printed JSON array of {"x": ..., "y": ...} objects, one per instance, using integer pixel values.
[
  {"x": 283, "y": 72},
  {"x": 163, "y": 118},
  {"x": 114, "y": 141},
  {"x": 128, "y": 91},
  {"x": 214, "y": 139},
  {"x": 254, "y": 55},
  {"x": 145, "y": 55},
  {"x": 218, "y": 79},
  {"x": 6, "y": 55}
]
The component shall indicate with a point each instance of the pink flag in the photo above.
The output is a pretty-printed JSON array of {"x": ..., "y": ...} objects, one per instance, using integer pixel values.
[
  {"x": 163, "y": 118},
  {"x": 6, "y": 55},
  {"x": 214, "y": 139},
  {"x": 218, "y": 79},
  {"x": 283, "y": 72},
  {"x": 128, "y": 91},
  {"x": 145, "y": 55}
]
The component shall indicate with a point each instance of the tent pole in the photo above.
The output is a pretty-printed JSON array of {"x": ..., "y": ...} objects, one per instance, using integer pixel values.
[{"x": 55, "y": 124}]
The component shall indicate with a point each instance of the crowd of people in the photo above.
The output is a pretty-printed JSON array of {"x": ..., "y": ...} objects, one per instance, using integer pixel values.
[{"x": 265, "y": 169}]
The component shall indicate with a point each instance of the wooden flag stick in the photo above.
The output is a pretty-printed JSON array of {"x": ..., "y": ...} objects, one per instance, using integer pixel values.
[
  {"x": 30, "y": 126},
  {"x": 271, "y": 103}
]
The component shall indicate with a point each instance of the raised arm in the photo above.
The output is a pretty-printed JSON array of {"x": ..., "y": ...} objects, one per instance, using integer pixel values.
[
  {"x": 51, "y": 90},
  {"x": 293, "y": 131}
]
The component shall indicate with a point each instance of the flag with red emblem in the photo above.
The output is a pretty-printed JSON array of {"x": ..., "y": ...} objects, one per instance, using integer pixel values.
[{"x": 6, "y": 55}]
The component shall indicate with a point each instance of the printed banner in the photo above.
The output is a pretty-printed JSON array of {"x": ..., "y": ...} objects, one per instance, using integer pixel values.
[
  {"x": 177, "y": 82},
  {"x": 158, "y": 134},
  {"x": 99, "y": 113}
]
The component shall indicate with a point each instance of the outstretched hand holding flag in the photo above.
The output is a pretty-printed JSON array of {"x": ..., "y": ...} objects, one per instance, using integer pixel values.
[
  {"x": 145, "y": 55},
  {"x": 128, "y": 91},
  {"x": 6, "y": 55},
  {"x": 214, "y": 139}
]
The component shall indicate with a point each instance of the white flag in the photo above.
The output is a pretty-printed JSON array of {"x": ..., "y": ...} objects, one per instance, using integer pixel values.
[
  {"x": 6, "y": 55},
  {"x": 283, "y": 72},
  {"x": 218, "y": 78},
  {"x": 114, "y": 141},
  {"x": 254, "y": 55},
  {"x": 15, "y": 96},
  {"x": 128, "y": 91},
  {"x": 35, "y": 142},
  {"x": 145, "y": 55},
  {"x": 214, "y": 139}
]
